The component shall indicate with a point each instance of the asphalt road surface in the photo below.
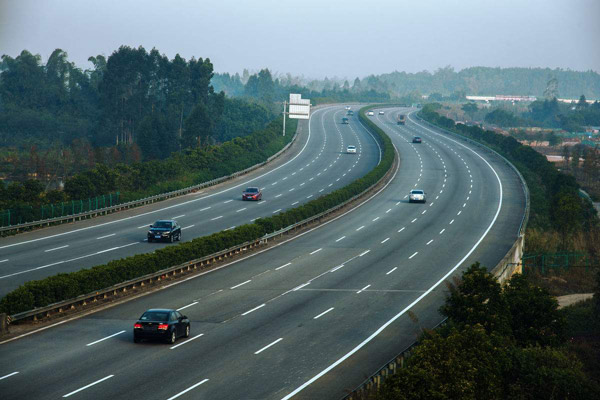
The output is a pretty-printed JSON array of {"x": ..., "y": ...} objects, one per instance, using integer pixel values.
[{"x": 312, "y": 317}]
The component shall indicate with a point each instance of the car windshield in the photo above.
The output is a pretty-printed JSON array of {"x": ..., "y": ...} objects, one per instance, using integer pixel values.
[
  {"x": 155, "y": 316},
  {"x": 417, "y": 192},
  {"x": 252, "y": 190},
  {"x": 162, "y": 224},
  {"x": 351, "y": 147}
]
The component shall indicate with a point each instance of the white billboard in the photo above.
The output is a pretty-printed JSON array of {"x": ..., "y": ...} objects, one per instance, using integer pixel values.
[{"x": 299, "y": 108}]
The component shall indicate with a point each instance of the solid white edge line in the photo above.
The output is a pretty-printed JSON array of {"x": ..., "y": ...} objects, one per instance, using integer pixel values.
[
  {"x": 103, "y": 339},
  {"x": 269, "y": 345},
  {"x": 188, "y": 389},
  {"x": 323, "y": 313},
  {"x": 417, "y": 300},
  {"x": 187, "y": 341},
  {"x": 87, "y": 386}
]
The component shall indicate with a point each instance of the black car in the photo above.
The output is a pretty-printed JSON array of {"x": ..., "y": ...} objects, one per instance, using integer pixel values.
[
  {"x": 167, "y": 229},
  {"x": 416, "y": 139},
  {"x": 162, "y": 324}
]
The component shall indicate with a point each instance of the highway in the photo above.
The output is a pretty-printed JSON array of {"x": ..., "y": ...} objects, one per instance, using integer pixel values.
[
  {"x": 311, "y": 317},
  {"x": 315, "y": 165}
]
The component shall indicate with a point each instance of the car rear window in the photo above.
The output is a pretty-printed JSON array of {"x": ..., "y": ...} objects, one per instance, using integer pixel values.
[
  {"x": 252, "y": 190},
  {"x": 155, "y": 316},
  {"x": 417, "y": 192},
  {"x": 162, "y": 224}
]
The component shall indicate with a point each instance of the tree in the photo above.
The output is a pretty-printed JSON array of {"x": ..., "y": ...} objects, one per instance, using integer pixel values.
[
  {"x": 535, "y": 319},
  {"x": 470, "y": 109},
  {"x": 582, "y": 103},
  {"x": 477, "y": 299},
  {"x": 547, "y": 373},
  {"x": 79, "y": 187},
  {"x": 465, "y": 364},
  {"x": 198, "y": 127},
  {"x": 566, "y": 214}
]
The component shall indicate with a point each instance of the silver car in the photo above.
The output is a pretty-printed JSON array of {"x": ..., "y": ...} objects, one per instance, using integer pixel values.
[{"x": 417, "y": 195}]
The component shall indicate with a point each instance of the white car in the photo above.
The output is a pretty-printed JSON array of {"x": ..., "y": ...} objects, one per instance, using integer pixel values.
[
  {"x": 370, "y": 113},
  {"x": 381, "y": 112},
  {"x": 351, "y": 150},
  {"x": 416, "y": 195}
]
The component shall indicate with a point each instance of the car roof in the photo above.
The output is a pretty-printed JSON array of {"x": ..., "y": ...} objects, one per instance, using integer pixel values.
[
  {"x": 417, "y": 191},
  {"x": 159, "y": 310},
  {"x": 351, "y": 145},
  {"x": 251, "y": 187},
  {"x": 165, "y": 220}
]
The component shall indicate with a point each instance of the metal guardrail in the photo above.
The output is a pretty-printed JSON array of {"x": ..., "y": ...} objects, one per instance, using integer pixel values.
[
  {"x": 144, "y": 201},
  {"x": 47, "y": 311}
]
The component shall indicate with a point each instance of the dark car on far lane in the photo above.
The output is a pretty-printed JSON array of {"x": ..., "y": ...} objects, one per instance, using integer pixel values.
[
  {"x": 416, "y": 139},
  {"x": 167, "y": 229},
  {"x": 162, "y": 324},
  {"x": 252, "y": 193}
]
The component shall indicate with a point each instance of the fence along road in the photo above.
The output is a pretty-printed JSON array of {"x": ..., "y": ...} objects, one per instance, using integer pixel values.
[
  {"x": 264, "y": 326},
  {"x": 315, "y": 166}
]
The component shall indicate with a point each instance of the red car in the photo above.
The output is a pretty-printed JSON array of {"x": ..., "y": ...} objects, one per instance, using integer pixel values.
[{"x": 252, "y": 193}]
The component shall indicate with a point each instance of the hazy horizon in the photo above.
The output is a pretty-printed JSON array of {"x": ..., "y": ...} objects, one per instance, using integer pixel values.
[{"x": 342, "y": 39}]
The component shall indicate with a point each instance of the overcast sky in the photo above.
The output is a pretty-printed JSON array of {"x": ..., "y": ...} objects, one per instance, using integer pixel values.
[{"x": 315, "y": 38}]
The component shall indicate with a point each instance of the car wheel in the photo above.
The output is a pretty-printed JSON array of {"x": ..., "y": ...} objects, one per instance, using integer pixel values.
[
  {"x": 187, "y": 331},
  {"x": 173, "y": 337},
  {"x": 172, "y": 238},
  {"x": 179, "y": 237},
  {"x": 150, "y": 240}
]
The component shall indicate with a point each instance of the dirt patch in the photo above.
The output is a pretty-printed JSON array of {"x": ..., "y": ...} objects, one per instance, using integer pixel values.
[{"x": 570, "y": 299}]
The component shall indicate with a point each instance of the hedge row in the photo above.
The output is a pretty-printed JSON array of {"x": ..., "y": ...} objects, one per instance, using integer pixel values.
[{"x": 61, "y": 287}]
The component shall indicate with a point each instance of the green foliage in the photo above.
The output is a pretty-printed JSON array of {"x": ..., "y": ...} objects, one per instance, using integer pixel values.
[
  {"x": 502, "y": 117},
  {"x": 534, "y": 316},
  {"x": 547, "y": 373},
  {"x": 478, "y": 300},
  {"x": 465, "y": 359},
  {"x": 525, "y": 313},
  {"x": 64, "y": 286},
  {"x": 464, "y": 364}
]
